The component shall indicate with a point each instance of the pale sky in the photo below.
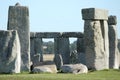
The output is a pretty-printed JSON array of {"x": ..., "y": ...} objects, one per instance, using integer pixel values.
[{"x": 58, "y": 15}]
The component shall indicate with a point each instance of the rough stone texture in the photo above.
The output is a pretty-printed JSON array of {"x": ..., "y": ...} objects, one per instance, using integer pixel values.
[
  {"x": 47, "y": 34},
  {"x": 96, "y": 38},
  {"x": 113, "y": 44},
  {"x": 41, "y": 70},
  {"x": 10, "y": 58},
  {"x": 18, "y": 19},
  {"x": 58, "y": 61},
  {"x": 81, "y": 50},
  {"x": 36, "y": 50},
  {"x": 119, "y": 44},
  {"x": 94, "y": 14},
  {"x": 74, "y": 68},
  {"x": 62, "y": 47},
  {"x": 112, "y": 20},
  {"x": 72, "y": 34},
  {"x": 56, "y": 34},
  {"x": 74, "y": 59},
  {"x": 104, "y": 28},
  {"x": 45, "y": 68},
  {"x": 95, "y": 54}
]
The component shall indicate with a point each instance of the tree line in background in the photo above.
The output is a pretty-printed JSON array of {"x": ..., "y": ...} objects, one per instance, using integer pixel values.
[{"x": 48, "y": 47}]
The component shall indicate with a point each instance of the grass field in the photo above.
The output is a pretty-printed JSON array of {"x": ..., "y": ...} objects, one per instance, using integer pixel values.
[{"x": 97, "y": 75}]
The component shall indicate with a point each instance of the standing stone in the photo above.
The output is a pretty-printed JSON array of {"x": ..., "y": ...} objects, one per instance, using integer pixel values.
[
  {"x": 113, "y": 43},
  {"x": 81, "y": 50},
  {"x": 96, "y": 38},
  {"x": 10, "y": 57},
  {"x": 58, "y": 61},
  {"x": 62, "y": 47},
  {"x": 18, "y": 19},
  {"x": 38, "y": 48}
]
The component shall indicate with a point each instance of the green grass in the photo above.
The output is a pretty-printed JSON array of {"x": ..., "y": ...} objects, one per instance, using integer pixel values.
[{"x": 95, "y": 75}]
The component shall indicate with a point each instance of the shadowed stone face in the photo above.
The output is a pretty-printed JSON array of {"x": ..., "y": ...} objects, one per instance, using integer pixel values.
[
  {"x": 18, "y": 19},
  {"x": 113, "y": 43},
  {"x": 10, "y": 59}
]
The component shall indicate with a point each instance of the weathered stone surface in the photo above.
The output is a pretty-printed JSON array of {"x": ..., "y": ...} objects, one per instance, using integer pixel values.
[
  {"x": 18, "y": 19},
  {"x": 113, "y": 43},
  {"x": 119, "y": 44},
  {"x": 94, "y": 14},
  {"x": 81, "y": 50},
  {"x": 112, "y": 20},
  {"x": 56, "y": 34},
  {"x": 10, "y": 58},
  {"x": 45, "y": 68},
  {"x": 74, "y": 59},
  {"x": 32, "y": 34},
  {"x": 58, "y": 61},
  {"x": 104, "y": 28},
  {"x": 96, "y": 57},
  {"x": 41, "y": 70},
  {"x": 36, "y": 50},
  {"x": 47, "y": 34},
  {"x": 72, "y": 34},
  {"x": 62, "y": 47},
  {"x": 74, "y": 68},
  {"x": 38, "y": 47}
]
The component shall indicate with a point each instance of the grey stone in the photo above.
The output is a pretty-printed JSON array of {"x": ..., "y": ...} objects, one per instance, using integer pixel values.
[
  {"x": 32, "y": 34},
  {"x": 58, "y": 61},
  {"x": 47, "y": 34},
  {"x": 94, "y": 14},
  {"x": 113, "y": 43},
  {"x": 10, "y": 57},
  {"x": 41, "y": 70},
  {"x": 62, "y": 47},
  {"x": 18, "y": 19},
  {"x": 36, "y": 50},
  {"x": 74, "y": 68},
  {"x": 96, "y": 57},
  {"x": 112, "y": 20},
  {"x": 72, "y": 34},
  {"x": 74, "y": 57},
  {"x": 81, "y": 50},
  {"x": 104, "y": 28},
  {"x": 45, "y": 68},
  {"x": 38, "y": 47}
]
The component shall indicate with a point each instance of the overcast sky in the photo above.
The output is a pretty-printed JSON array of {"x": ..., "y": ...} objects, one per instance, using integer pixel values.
[{"x": 58, "y": 15}]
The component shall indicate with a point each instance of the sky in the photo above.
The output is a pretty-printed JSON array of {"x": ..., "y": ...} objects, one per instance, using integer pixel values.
[{"x": 58, "y": 15}]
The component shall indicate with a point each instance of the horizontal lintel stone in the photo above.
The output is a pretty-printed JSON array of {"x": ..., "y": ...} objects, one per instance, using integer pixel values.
[
  {"x": 56, "y": 34},
  {"x": 94, "y": 14}
]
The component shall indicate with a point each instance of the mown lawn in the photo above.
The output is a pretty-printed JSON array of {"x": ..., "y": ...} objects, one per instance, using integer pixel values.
[{"x": 96, "y": 75}]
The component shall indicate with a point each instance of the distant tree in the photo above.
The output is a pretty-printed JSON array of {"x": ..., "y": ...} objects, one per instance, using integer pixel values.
[
  {"x": 49, "y": 47},
  {"x": 73, "y": 46}
]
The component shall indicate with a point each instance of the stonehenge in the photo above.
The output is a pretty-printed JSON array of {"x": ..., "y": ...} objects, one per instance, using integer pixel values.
[
  {"x": 18, "y": 19},
  {"x": 113, "y": 43},
  {"x": 97, "y": 47},
  {"x": 10, "y": 59},
  {"x": 96, "y": 38}
]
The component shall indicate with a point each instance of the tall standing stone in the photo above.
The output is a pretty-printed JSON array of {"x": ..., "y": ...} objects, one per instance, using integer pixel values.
[
  {"x": 62, "y": 47},
  {"x": 81, "y": 50},
  {"x": 38, "y": 48},
  {"x": 113, "y": 43},
  {"x": 18, "y": 19},
  {"x": 10, "y": 57},
  {"x": 96, "y": 38}
]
